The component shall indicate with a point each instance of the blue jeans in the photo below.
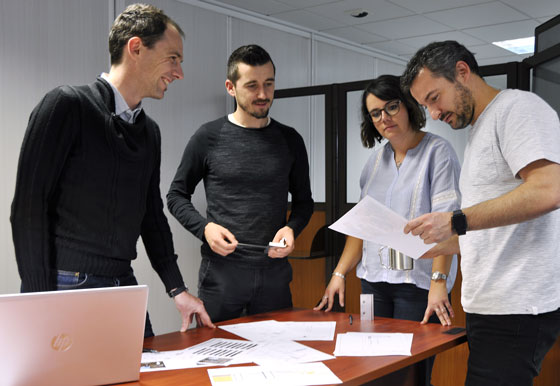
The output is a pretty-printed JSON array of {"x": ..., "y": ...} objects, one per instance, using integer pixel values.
[
  {"x": 78, "y": 280},
  {"x": 401, "y": 301},
  {"x": 229, "y": 289},
  {"x": 509, "y": 349}
]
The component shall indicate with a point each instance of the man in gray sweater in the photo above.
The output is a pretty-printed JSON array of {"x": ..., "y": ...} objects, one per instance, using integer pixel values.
[{"x": 249, "y": 163}]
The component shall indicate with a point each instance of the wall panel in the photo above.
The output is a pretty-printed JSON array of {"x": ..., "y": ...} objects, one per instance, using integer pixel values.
[
  {"x": 42, "y": 45},
  {"x": 290, "y": 52}
]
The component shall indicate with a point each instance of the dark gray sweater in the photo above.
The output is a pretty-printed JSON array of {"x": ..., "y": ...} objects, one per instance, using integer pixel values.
[
  {"x": 247, "y": 175},
  {"x": 87, "y": 187}
]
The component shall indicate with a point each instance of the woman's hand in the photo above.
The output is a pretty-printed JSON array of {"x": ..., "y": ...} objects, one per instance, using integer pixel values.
[
  {"x": 438, "y": 303},
  {"x": 336, "y": 285}
]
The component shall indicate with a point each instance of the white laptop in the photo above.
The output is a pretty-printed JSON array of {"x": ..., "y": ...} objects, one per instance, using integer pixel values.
[{"x": 75, "y": 337}]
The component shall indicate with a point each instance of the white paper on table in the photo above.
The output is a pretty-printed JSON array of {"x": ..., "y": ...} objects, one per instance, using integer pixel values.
[
  {"x": 373, "y": 344},
  {"x": 272, "y": 330},
  {"x": 293, "y": 375},
  {"x": 286, "y": 352},
  {"x": 370, "y": 220},
  {"x": 213, "y": 352}
]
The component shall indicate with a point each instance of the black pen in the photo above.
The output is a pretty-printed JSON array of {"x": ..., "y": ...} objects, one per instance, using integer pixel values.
[{"x": 350, "y": 317}]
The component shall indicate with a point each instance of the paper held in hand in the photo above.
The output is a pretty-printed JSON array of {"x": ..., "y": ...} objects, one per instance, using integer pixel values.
[{"x": 372, "y": 221}]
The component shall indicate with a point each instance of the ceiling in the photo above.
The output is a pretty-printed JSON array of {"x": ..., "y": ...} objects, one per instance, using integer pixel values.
[{"x": 400, "y": 27}]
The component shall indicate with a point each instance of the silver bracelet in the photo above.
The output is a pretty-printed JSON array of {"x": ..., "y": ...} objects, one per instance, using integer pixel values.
[{"x": 339, "y": 275}]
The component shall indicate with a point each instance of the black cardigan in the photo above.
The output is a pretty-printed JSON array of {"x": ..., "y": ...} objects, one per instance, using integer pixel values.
[{"x": 87, "y": 186}]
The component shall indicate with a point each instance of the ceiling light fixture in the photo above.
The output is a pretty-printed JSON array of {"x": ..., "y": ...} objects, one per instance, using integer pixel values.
[
  {"x": 518, "y": 46},
  {"x": 357, "y": 13}
]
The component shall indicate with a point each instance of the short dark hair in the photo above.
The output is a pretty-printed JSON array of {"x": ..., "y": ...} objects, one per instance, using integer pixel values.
[
  {"x": 145, "y": 21},
  {"x": 440, "y": 58},
  {"x": 252, "y": 55},
  {"x": 387, "y": 88}
]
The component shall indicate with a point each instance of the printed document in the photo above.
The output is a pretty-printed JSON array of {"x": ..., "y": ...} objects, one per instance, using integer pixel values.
[
  {"x": 361, "y": 344},
  {"x": 213, "y": 352},
  {"x": 370, "y": 220},
  {"x": 272, "y": 330},
  {"x": 294, "y": 375}
]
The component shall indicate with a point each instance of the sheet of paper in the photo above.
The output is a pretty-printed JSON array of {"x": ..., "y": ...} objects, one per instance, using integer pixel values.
[
  {"x": 213, "y": 352},
  {"x": 272, "y": 330},
  {"x": 370, "y": 220},
  {"x": 373, "y": 344},
  {"x": 293, "y": 375},
  {"x": 286, "y": 352}
]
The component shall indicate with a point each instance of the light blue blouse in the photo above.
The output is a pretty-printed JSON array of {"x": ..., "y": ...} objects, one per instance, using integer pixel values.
[{"x": 427, "y": 181}]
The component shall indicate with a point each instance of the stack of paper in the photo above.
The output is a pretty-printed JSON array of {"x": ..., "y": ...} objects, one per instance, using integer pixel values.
[{"x": 269, "y": 343}]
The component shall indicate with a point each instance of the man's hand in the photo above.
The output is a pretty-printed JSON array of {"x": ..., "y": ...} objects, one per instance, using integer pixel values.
[
  {"x": 220, "y": 240},
  {"x": 190, "y": 306},
  {"x": 287, "y": 234},
  {"x": 431, "y": 227}
]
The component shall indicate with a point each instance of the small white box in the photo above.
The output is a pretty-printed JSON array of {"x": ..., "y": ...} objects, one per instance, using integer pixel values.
[{"x": 366, "y": 306}]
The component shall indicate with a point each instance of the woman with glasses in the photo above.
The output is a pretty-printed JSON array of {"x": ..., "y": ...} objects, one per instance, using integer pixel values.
[{"x": 413, "y": 172}]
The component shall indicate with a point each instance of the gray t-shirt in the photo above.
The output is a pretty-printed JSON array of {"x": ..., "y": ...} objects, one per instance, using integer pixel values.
[{"x": 511, "y": 269}]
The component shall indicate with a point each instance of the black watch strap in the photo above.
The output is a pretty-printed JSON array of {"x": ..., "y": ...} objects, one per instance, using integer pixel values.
[
  {"x": 177, "y": 291},
  {"x": 459, "y": 222}
]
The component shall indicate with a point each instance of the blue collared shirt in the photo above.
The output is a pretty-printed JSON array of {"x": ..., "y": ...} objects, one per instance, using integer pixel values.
[
  {"x": 121, "y": 107},
  {"x": 427, "y": 181}
]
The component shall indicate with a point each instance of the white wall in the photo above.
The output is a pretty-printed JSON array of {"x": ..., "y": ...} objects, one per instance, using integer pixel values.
[
  {"x": 47, "y": 43},
  {"x": 42, "y": 45}
]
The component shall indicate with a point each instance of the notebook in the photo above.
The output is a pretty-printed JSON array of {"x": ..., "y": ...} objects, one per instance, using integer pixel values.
[{"x": 74, "y": 337}]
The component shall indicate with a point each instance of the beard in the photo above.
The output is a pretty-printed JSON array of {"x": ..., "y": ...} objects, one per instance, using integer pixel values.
[
  {"x": 254, "y": 112},
  {"x": 464, "y": 103}
]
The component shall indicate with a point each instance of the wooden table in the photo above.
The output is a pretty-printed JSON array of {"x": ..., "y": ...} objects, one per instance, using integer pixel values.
[{"x": 429, "y": 339}]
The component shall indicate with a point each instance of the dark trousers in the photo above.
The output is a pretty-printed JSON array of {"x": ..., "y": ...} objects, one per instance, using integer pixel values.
[
  {"x": 401, "y": 301},
  {"x": 509, "y": 349},
  {"x": 78, "y": 280},
  {"x": 229, "y": 289}
]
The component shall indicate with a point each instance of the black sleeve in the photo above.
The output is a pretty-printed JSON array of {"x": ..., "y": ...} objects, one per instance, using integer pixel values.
[
  {"x": 190, "y": 172},
  {"x": 155, "y": 231},
  {"x": 49, "y": 138},
  {"x": 302, "y": 203}
]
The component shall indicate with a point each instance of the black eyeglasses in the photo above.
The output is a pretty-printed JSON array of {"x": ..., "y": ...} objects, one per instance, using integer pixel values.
[{"x": 392, "y": 108}]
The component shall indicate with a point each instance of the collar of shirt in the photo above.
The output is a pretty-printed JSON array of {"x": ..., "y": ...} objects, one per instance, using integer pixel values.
[
  {"x": 234, "y": 121},
  {"x": 121, "y": 107}
]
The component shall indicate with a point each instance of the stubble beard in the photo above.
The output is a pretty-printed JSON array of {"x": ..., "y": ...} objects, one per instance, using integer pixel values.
[
  {"x": 465, "y": 107},
  {"x": 254, "y": 113}
]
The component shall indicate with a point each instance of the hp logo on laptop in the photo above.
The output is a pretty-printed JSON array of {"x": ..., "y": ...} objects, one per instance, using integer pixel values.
[{"x": 61, "y": 342}]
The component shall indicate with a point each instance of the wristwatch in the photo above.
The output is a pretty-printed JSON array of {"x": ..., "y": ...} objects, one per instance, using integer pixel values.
[
  {"x": 177, "y": 291},
  {"x": 439, "y": 276},
  {"x": 459, "y": 222}
]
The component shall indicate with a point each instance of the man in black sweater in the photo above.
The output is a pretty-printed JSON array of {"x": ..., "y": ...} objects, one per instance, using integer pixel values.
[
  {"x": 88, "y": 174},
  {"x": 249, "y": 164}
]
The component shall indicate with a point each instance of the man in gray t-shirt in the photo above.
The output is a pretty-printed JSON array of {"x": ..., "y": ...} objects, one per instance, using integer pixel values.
[{"x": 508, "y": 230}]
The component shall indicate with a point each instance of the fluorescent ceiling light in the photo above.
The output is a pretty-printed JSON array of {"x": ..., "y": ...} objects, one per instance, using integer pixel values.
[{"x": 518, "y": 46}]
